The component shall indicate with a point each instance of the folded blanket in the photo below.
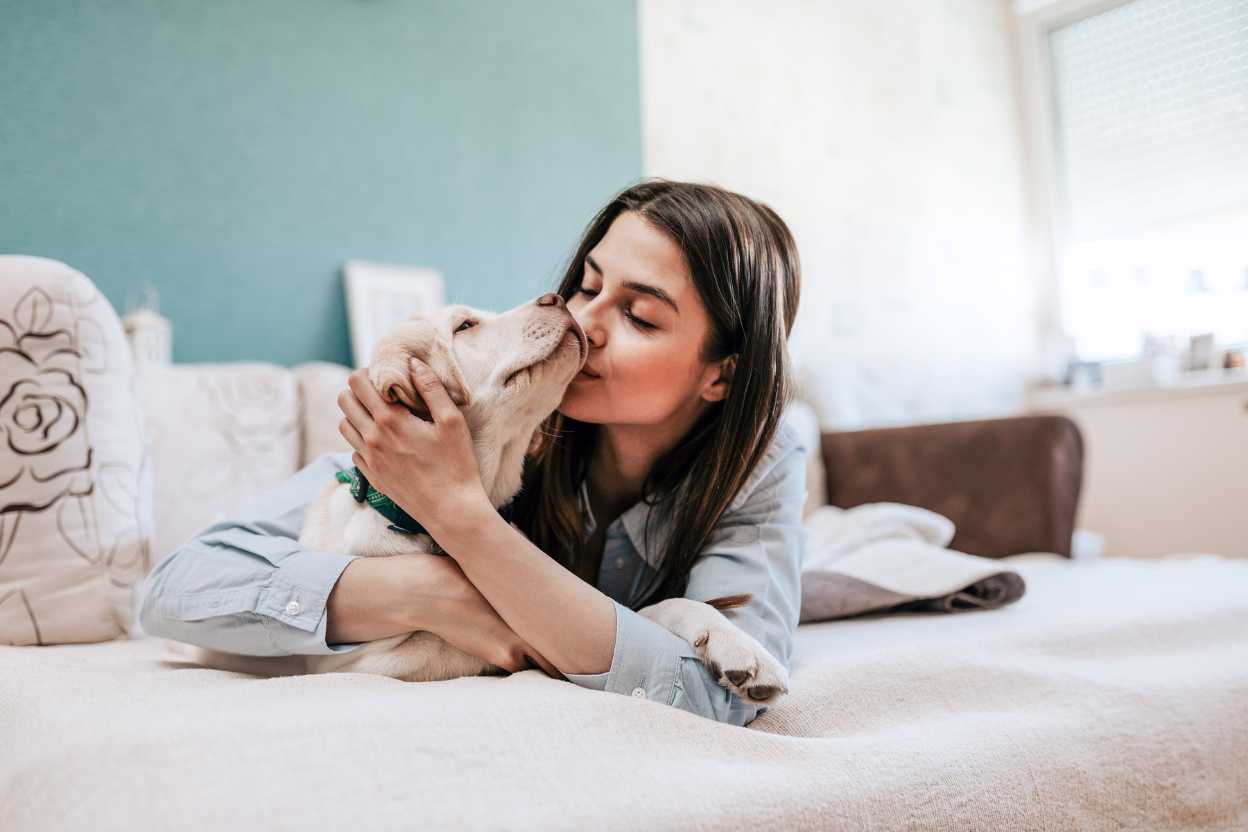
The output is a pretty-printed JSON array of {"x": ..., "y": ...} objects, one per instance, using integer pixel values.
[{"x": 893, "y": 557}]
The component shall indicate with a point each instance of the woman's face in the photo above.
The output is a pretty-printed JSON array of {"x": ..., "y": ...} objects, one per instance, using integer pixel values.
[{"x": 644, "y": 349}]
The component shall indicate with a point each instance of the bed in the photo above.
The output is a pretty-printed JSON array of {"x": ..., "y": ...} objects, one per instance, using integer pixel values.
[{"x": 1112, "y": 695}]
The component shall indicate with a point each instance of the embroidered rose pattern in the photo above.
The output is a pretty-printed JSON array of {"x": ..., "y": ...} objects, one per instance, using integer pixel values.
[{"x": 42, "y": 409}]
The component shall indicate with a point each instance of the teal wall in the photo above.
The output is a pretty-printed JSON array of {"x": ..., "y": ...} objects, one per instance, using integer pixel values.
[{"x": 236, "y": 153}]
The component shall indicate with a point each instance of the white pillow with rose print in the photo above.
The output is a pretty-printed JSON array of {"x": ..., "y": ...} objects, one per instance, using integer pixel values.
[{"x": 75, "y": 486}]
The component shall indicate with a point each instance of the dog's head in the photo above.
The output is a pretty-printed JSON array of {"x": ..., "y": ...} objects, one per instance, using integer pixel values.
[{"x": 506, "y": 371}]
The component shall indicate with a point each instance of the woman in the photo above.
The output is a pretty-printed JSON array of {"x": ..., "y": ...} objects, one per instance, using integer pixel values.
[{"x": 669, "y": 474}]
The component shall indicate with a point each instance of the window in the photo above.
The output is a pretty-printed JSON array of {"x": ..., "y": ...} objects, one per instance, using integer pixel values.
[{"x": 1149, "y": 108}]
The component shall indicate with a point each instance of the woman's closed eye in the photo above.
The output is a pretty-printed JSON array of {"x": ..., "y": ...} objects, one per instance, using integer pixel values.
[{"x": 627, "y": 313}]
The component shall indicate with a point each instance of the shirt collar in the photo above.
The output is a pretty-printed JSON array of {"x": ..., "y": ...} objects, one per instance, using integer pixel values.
[
  {"x": 634, "y": 522},
  {"x": 634, "y": 519}
]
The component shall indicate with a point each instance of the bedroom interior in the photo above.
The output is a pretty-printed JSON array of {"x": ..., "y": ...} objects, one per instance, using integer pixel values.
[{"x": 1021, "y": 388}]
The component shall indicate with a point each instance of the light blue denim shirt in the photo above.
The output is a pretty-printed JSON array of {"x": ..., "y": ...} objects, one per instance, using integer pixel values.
[{"x": 248, "y": 586}]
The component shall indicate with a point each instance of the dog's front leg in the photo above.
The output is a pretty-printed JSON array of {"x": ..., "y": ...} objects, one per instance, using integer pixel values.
[{"x": 735, "y": 657}]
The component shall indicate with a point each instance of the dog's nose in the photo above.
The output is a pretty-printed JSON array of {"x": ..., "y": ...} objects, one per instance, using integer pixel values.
[{"x": 550, "y": 299}]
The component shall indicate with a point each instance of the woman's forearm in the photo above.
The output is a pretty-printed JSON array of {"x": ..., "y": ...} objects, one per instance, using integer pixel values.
[
  {"x": 567, "y": 620},
  {"x": 379, "y": 597}
]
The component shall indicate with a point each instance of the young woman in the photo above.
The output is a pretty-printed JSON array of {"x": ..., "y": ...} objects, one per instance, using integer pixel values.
[{"x": 667, "y": 473}]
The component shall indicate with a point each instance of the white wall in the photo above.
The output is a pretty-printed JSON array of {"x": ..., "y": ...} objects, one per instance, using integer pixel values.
[{"x": 887, "y": 136}]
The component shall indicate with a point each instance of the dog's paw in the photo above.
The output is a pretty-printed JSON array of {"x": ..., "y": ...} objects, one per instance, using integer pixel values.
[{"x": 742, "y": 665}]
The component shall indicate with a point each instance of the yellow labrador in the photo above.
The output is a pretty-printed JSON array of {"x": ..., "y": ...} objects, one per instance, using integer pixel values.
[{"x": 506, "y": 379}]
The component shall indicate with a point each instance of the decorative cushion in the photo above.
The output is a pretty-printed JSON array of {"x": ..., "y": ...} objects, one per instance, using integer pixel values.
[
  {"x": 320, "y": 382},
  {"x": 75, "y": 483},
  {"x": 222, "y": 435}
]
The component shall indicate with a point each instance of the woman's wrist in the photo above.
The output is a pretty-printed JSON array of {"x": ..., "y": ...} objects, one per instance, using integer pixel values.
[
  {"x": 379, "y": 597},
  {"x": 432, "y": 591},
  {"x": 464, "y": 524}
]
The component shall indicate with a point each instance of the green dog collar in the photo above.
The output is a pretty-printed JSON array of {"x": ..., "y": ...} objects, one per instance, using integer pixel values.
[
  {"x": 362, "y": 490},
  {"x": 400, "y": 521}
]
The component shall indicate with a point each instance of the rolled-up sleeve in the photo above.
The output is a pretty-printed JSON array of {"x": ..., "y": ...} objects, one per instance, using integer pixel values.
[
  {"x": 247, "y": 585},
  {"x": 756, "y": 548}
]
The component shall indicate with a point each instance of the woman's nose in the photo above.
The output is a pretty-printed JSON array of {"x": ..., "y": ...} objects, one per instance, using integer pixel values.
[
  {"x": 550, "y": 299},
  {"x": 586, "y": 324}
]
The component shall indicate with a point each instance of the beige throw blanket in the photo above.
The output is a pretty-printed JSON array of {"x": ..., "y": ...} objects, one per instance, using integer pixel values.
[
  {"x": 1113, "y": 695},
  {"x": 892, "y": 557}
]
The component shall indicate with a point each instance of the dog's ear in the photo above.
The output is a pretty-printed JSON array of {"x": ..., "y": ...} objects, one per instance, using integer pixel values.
[{"x": 391, "y": 372}]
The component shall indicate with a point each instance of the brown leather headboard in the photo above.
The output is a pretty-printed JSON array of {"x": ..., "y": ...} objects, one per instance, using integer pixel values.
[{"x": 1010, "y": 485}]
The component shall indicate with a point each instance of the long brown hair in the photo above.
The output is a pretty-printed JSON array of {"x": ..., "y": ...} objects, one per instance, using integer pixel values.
[{"x": 745, "y": 267}]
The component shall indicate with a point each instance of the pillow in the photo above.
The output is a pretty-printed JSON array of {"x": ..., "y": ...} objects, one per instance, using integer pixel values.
[
  {"x": 320, "y": 382},
  {"x": 75, "y": 483},
  {"x": 222, "y": 435}
]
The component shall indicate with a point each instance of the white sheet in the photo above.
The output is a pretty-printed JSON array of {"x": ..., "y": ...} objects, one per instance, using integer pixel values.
[{"x": 1112, "y": 695}]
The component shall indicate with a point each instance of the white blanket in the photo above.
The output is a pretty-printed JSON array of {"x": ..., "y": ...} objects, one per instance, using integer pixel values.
[{"x": 1113, "y": 695}]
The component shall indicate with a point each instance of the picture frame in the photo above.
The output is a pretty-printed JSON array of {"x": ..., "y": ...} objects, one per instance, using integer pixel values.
[{"x": 379, "y": 296}]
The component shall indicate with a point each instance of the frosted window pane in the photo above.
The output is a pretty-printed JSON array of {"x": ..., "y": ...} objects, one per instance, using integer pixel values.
[
  {"x": 1151, "y": 130},
  {"x": 1151, "y": 106}
]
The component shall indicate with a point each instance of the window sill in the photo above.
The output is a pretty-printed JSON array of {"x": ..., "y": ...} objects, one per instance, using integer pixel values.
[{"x": 1206, "y": 383}]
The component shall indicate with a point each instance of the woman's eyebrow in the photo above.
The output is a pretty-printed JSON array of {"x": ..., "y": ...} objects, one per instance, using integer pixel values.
[{"x": 644, "y": 288}]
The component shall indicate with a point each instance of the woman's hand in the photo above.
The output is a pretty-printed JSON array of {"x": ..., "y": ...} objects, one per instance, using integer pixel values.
[
  {"x": 428, "y": 468},
  {"x": 457, "y": 612}
]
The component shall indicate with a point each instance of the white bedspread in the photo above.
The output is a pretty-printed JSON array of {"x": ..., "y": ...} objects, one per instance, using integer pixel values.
[{"x": 1113, "y": 695}]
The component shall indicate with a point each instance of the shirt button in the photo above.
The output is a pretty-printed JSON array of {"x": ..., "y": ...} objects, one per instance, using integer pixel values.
[
  {"x": 619, "y": 563},
  {"x": 293, "y": 608},
  {"x": 640, "y": 693}
]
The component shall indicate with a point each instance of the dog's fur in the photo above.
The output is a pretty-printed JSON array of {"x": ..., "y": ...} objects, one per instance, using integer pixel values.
[{"x": 506, "y": 378}]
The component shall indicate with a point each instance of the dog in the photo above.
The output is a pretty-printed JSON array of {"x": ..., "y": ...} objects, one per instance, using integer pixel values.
[{"x": 506, "y": 380}]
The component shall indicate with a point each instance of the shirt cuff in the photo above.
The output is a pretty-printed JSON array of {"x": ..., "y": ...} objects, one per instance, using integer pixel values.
[
  {"x": 646, "y": 660},
  {"x": 697, "y": 690},
  {"x": 652, "y": 662},
  {"x": 292, "y": 604},
  {"x": 593, "y": 681}
]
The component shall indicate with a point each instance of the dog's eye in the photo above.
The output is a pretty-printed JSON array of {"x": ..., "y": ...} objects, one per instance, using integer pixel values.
[{"x": 466, "y": 324}]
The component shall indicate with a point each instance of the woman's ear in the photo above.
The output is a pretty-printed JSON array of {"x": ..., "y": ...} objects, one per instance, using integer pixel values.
[{"x": 720, "y": 382}]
